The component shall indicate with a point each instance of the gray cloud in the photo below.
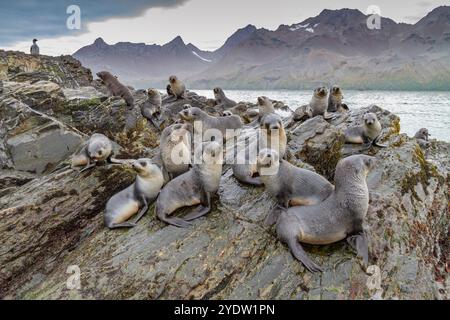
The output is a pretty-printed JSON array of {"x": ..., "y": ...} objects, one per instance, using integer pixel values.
[{"x": 28, "y": 19}]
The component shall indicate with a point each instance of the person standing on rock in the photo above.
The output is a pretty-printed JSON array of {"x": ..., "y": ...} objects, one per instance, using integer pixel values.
[{"x": 34, "y": 50}]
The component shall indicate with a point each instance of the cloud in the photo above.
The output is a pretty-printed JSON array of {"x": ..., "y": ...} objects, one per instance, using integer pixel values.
[{"x": 28, "y": 19}]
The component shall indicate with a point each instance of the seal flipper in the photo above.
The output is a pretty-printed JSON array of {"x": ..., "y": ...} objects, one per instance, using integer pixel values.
[
  {"x": 122, "y": 225},
  {"x": 273, "y": 216},
  {"x": 300, "y": 254},
  {"x": 177, "y": 222},
  {"x": 142, "y": 211},
  {"x": 89, "y": 166},
  {"x": 201, "y": 210},
  {"x": 359, "y": 243},
  {"x": 256, "y": 181}
]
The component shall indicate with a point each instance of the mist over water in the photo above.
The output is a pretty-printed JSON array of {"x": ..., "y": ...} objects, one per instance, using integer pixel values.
[{"x": 415, "y": 109}]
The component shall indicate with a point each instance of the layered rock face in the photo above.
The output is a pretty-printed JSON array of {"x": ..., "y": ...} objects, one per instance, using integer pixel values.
[{"x": 51, "y": 217}]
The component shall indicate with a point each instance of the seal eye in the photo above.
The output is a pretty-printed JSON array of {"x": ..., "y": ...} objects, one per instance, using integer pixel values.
[
  {"x": 269, "y": 156},
  {"x": 213, "y": 138},
  {"x": 100, "y": 152},
  {"x": 143, "y": 163}
]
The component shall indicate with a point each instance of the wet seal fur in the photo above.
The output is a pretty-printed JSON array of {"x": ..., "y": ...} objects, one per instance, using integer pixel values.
[
  {"x": 194, "y": 187},
  {"x": 335, "y": 100},
  {"x": 265, "y": 106},
  {"x": 368, "y": 133},
  {"x": 340, "y": 216},
  {"x": 319, "y": 103},
  {"x": 116, "y": 88},
  {"x": 221, "y": 100},
  {"x": 192, "y": 114},
  {"x": 272, "y": 130},
  {"x": 97, "y": 149},
  {"x": 151, "y": 108},
  {"x": 422, "y": 138},
  {"x": 290, "y": 185},
  {"x": 136, "y": 198},
  {"x": 175, "y": 89}
]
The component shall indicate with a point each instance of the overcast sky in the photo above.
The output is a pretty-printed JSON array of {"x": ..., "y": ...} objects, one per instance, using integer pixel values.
[{"x": 205, "y": 23}]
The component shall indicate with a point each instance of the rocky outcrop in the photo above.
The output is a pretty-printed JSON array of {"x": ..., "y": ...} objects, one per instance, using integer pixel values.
[
  {"x": 63, "y": 70},
  {"x": 51, "y": 221}
]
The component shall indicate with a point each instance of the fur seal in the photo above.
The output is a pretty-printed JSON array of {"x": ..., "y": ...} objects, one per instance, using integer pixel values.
[
  {"x": 319, "y": 102},
  {"x": 177, "y": 88},
  {"x": 290, "y": 185},
  {"x": 221, "y": 99},
  {"x": 151, "y": 108},
  {"x": 272, "y": 131},
  {"x": 335, "y": 100},
  {"x": 422, "y": 137},
  {"x": 192, "y": 114},
  {"x": 367, "y": 133},
  {"x": 115, "y": 88},
  {"x": 169, "y": 90},
  {"x": 340, "y": 216},
  {"x": 244, "y": 168},
  {"x": 265, "y": 106},
  {"x": 175, "y": 149},
  {"x": 97, "y": 149},
  {"x": 135, "y": 198},
  {"x": 194, "y": 187}
]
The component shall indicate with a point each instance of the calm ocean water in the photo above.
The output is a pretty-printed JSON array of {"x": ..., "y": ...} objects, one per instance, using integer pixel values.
[{"x": 415, "y": 109}]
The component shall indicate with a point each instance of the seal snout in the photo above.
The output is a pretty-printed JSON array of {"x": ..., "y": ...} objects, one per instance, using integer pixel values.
[{"x": 261, "y": 100}]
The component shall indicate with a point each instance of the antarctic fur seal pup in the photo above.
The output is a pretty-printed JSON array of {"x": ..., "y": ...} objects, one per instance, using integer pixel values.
[
  {"x": 151, "y": 108},
  {"x": 175, "y": 149},
  {"x": 338, "y": 217},
  {"x": 136, "y": 198},
  {"x": 245, "y": 167},
  {"x": 367, "y": 133},
  {"x": 192, "y": 114},
  {"x": 97, "y": 149},
  {"x": 115, "y": 88},
  {"x": 177, "y": 88},
  {"x": 194, "y": 187},
  {"x": 319, "y": 102},
  {"x": 290, "y": 185},
  {"x": 265, "y": 107},
  {"x": 335, "y": 100},
  {"x": 221, "y": 99},
  {"x": 422, "y": 137},
  {"x": 272, "y": 132}
]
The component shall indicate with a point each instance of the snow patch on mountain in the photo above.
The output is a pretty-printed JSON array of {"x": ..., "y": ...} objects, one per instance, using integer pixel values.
[
  {"x": 200, "y": 57},
  {"x": 296, "y": 27}
]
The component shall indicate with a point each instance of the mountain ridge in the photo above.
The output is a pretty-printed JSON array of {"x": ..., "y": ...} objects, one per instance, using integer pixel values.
[{"x": 334, "y": 46}]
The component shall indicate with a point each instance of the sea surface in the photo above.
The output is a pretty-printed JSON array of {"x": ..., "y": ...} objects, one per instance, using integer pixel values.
[{"x": 415, "y": 109}]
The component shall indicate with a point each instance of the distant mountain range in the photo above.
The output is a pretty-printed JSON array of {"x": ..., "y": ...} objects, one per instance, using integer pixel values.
[{"x": 334, "y": 47}]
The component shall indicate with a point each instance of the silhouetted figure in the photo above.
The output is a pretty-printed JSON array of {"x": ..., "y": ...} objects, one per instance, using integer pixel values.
[{"x": 34, "y": 50}]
